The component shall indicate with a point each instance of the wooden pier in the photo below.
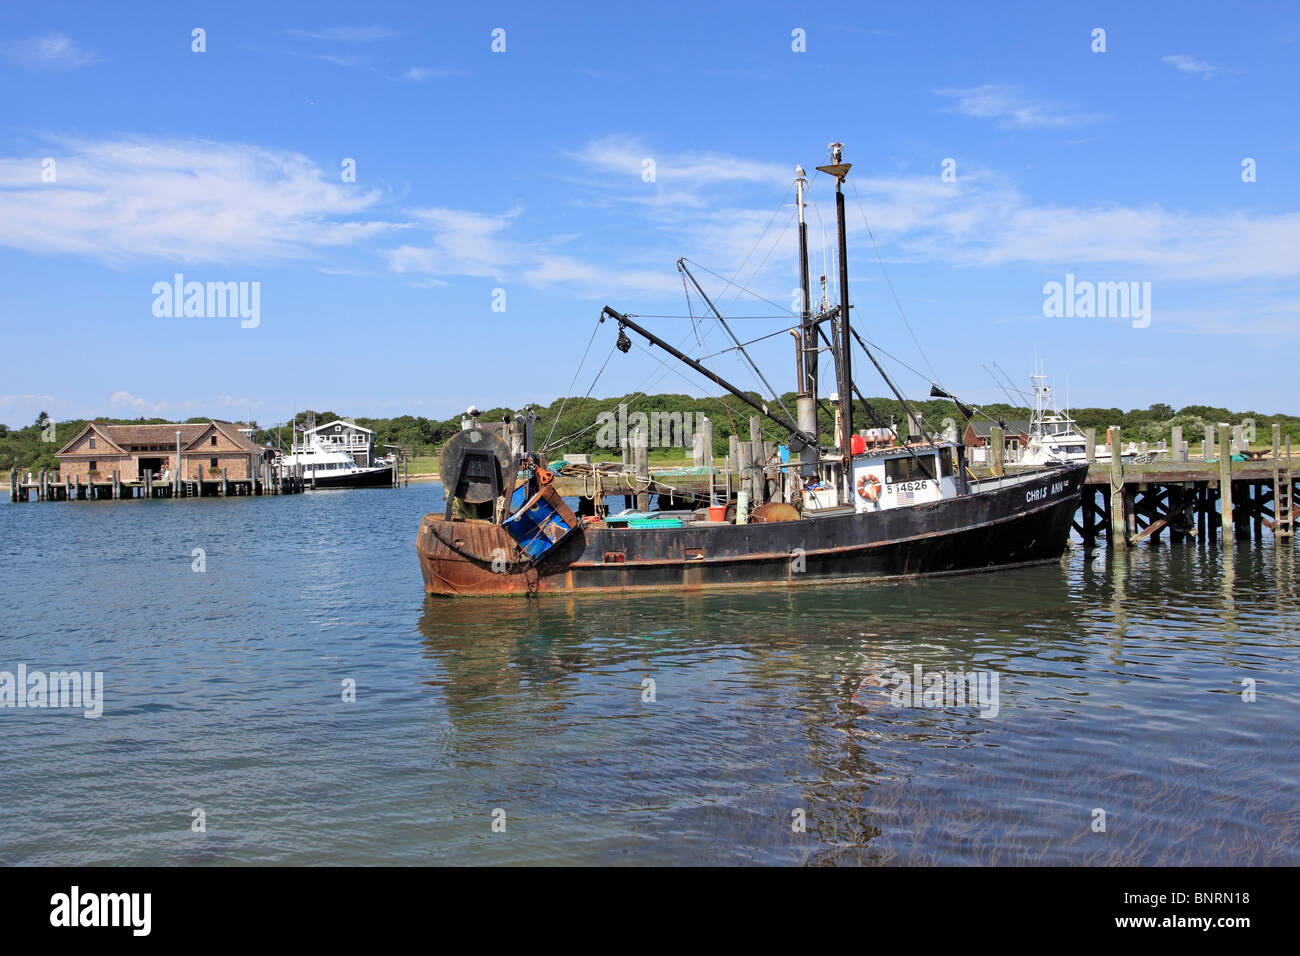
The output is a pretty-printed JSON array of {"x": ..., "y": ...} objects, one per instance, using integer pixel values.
[
  {"x": 1127, "y": 503},
  {"x": 46, "y": 486},
  {"x": 1123, "y": 503}
]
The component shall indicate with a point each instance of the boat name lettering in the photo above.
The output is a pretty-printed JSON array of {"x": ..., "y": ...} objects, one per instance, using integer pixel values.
[{"x": 1038, "y": 494}]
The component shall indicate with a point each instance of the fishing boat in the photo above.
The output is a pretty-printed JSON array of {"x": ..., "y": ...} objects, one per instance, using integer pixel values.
[{"x": 841, "y": 512}]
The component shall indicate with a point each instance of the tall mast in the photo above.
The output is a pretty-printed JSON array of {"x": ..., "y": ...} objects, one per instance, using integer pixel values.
[
  {"x": 839, "y": 169},
  {"x": 808, "y": 360}
]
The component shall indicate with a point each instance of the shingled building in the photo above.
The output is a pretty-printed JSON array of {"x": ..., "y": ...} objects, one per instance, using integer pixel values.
[{"x": 132, "y": 451}]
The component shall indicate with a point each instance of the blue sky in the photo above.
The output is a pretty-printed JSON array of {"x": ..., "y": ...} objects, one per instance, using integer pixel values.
[{"x": 522, "y": 170}]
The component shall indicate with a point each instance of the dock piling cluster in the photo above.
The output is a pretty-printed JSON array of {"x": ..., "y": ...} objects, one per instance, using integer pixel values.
[{"x": 46, "y": 486}]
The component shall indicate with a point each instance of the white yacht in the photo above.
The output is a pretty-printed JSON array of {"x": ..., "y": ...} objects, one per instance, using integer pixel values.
[
  {"x": 326, "y": 465},
  {"x": 1054, "y": 437}
]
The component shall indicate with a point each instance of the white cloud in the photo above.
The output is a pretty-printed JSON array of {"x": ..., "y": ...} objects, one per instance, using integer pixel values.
[
  {"x": 463, "y": 243},
  {"x": 180, "y": 201},
  {"x": 1191, "y": 64},
  {"x": 51, "y": 51},
  {"x": 475, "y": 244},
  {"x": 981, "y": 222},
  {"x": 679, "y": 177},
  {"x": 1011, "y": 109},
  {"x": 125, "y": 400},
  {"x": 232, "y": 401}
]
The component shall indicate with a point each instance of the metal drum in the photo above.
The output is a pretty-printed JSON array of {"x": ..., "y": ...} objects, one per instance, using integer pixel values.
[{"x": 475, "y": 465}]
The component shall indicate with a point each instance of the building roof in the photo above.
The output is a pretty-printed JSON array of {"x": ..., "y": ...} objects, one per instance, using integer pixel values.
[
  {"x": 99, "y": 430},
  {"x": 983, "y": 429},
  {"x": 339, "y": 421},
  {"x": 121, "y": 437}
]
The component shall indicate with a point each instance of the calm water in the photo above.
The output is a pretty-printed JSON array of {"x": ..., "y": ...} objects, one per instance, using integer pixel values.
[{"x": 1119, "y": 688}]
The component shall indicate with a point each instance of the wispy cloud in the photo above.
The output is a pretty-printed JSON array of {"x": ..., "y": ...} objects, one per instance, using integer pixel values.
[
  {"x": 181, "y": 201},
  {"x": 1190, "y": 64},
  {"x": 464, "y": 243},
  {"x": 684, "y": 173},
  {"x": 15, "y": 401},
  {"x": 1011, "y": 109},
  {"x": 988, "y": 222},
  {"x": 427, "y": 74},
  {"x": 124, "y": 401},
  {"x": 984, "y": 222},
  {"x": 347, "y": 62},
  {"x": 50, "y": 51},
  {"x": 369, "y": 34}
]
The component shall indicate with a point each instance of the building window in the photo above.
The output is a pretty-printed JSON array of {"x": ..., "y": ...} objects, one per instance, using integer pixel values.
[
  {"x": 93, "y": 466},
  {"x": 92, "y": 442},
  {"x": 212, "y": 462},
  {"x": 214, "y": 441}
]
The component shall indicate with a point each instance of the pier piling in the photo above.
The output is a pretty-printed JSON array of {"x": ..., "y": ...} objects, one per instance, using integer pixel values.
[
  {"x": 1118, "y": 518},
  {"x": 1225, "y": 483}
]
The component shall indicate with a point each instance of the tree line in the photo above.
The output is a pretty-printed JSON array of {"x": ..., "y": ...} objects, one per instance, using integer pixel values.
[{"x": 583, "y": 425}]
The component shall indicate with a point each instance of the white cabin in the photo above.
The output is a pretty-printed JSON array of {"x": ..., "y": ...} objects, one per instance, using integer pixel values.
[
  {"x": 342, "y": 436},
  {"x": 893, "y": 478}
]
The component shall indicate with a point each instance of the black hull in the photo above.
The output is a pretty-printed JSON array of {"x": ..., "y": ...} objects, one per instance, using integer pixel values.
[
  {"x": 375, "y": 478},
  {"x": 1018, "y": 524}
]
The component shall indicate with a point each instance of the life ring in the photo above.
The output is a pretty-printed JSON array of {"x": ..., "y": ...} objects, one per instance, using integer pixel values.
[{"x": 869, "y": 488}]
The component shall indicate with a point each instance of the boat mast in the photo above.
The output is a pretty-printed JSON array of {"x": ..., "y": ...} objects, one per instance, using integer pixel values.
[
  {"x": 808, "y": 346},
  {"x": 840, "y": 169}
]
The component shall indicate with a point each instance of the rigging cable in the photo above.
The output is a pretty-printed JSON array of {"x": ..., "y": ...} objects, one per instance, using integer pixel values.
[
  {"x": 546, "y": 444},
  {"x": 889, "y": 282}
]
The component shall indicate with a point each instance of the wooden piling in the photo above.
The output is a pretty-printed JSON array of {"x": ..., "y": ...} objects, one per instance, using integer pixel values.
[
  {"x": 997, "y": 446},
  {"x": 1225, "y": 483},
  {"x": 1207, "y": 449},
  {"x": 641, "y": 460},
  {"x": 757, "y": 484},
  {"x": 1118, "y": 516},
  {"x": 1091, "y": 435}
]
